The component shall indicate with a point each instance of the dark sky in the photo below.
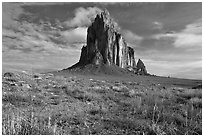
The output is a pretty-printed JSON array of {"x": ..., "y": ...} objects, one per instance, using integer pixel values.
[{"x": 49, "y": 36}]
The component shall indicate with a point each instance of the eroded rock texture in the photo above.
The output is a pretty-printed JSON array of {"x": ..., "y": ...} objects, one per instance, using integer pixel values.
[
  {"x": 105, "y": 45},
  {"x": 141, "y": 69},
  {"x": 131, "y": 58}
]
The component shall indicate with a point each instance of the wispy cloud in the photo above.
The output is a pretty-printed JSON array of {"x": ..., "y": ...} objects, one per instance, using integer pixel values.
[
  {"x": 27, "y": 45},
  {"x": 75, "y": 35},
  {"x": 185, "y": 62},
  {"x": 175, "y": 69},
  {"x": 157, "y": 25},
  {"x": 83, "y": 17},
  {"x": 132, "y": 38},
  {"x": 166, "y": 36},
  {"x": 10, "y": 13},
  {"x": 191, "y": 36}
]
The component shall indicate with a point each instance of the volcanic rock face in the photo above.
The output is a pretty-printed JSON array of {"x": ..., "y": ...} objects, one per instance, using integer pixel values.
[
  {"x": 131, "y": 58},
  {"x": 105, "y": 45},
  {"x": 141, "y": 69}
]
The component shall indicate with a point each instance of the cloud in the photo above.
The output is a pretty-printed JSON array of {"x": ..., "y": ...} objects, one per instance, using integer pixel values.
[
  {"x": 34, "y": 38},
  {"x": 10, "y": 13},
  {"x": 31, "y": 48},
  {"x": 55, "y": 42},
  {"x": 175, "y": 62},
  {"x": 191, "y": 36},
  {"x": 43, "y": 3},
  {"x": 76, "y": 35},
  {"x": 195, "y": 28},
  {"x": 25, "y": 38},
  {"x": 16, "y": 60},
  {"x": 132, "y": 38},
  {"x": 157, "y": 25},
  {"x": 188, "y": 40},
  {"x": 83, "y": 17},
  {"x": 27, "y": 45},
  {"x": 175, "y": 69},
  {"x": 30, "y": 37}
]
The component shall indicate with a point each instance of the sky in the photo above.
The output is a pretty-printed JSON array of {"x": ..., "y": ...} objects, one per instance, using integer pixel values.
[{"x": 43, "y": 37}]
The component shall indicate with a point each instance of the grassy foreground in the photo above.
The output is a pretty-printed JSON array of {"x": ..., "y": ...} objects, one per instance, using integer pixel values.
[{"x": 56, "y": 105}]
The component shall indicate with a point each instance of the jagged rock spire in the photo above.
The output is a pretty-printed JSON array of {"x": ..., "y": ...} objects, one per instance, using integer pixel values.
[
  {"x": 106, "y": 45},
  {"x": 141, "y": 69}
]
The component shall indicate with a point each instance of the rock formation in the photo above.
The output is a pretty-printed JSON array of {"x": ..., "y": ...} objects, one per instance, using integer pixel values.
[
  {"x": 141, "y": 69},
  {"x": 105, "y": 45},
  {"x": 131, "y": 58}
]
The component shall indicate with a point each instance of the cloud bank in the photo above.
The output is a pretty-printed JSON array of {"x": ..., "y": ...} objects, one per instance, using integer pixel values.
[
  {"x": 169, "y": 41},
  {"x": 189, "y": 37},
  {"x": 25, "y": 42}
]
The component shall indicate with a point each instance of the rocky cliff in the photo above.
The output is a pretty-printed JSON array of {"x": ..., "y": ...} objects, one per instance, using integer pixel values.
[
  {"x": 106, "y": 45},
  {"x": 141, "y": 69}
]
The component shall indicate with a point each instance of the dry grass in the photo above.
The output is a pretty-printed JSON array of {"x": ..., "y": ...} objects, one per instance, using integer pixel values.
[{"x": 53, "y": 107}]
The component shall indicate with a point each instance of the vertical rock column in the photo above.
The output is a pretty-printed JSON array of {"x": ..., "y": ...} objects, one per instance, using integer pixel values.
[{"x": 105, "y": 44}]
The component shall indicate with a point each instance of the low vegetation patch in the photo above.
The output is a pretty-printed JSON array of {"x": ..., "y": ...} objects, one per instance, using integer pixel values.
[{"x": 62, "y": 106}]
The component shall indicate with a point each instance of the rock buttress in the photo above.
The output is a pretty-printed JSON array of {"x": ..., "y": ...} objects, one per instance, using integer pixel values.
[
  {"x": 141, "y": 69},
  {"x": 105, "y": 44}
]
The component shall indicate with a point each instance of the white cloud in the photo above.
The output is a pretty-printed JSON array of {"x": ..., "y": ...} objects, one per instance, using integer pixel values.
[
  {"x": 175, "y": 62},
  {"x": 191, "y": 36},
  {"x": 83, "y": 17},
  {"x": 75, "y": 35},
  {"x": 27, "y": 36},
  {"x": 10, "y": 33},
  {"x": 188, "y": 40},
  {"x": 132, "y": 38},
  {"x": 10, "y": 12},
  {"x": 30, "y": 47},
  {"x": 195, "y": 28},
  {"x": 186, "y": 69},
  {"x": 157, "y": 25},
  {"x": 42, "y": 3},
  {"x": 16, "y": 60},
  {"x": 33, "y": 37}
]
